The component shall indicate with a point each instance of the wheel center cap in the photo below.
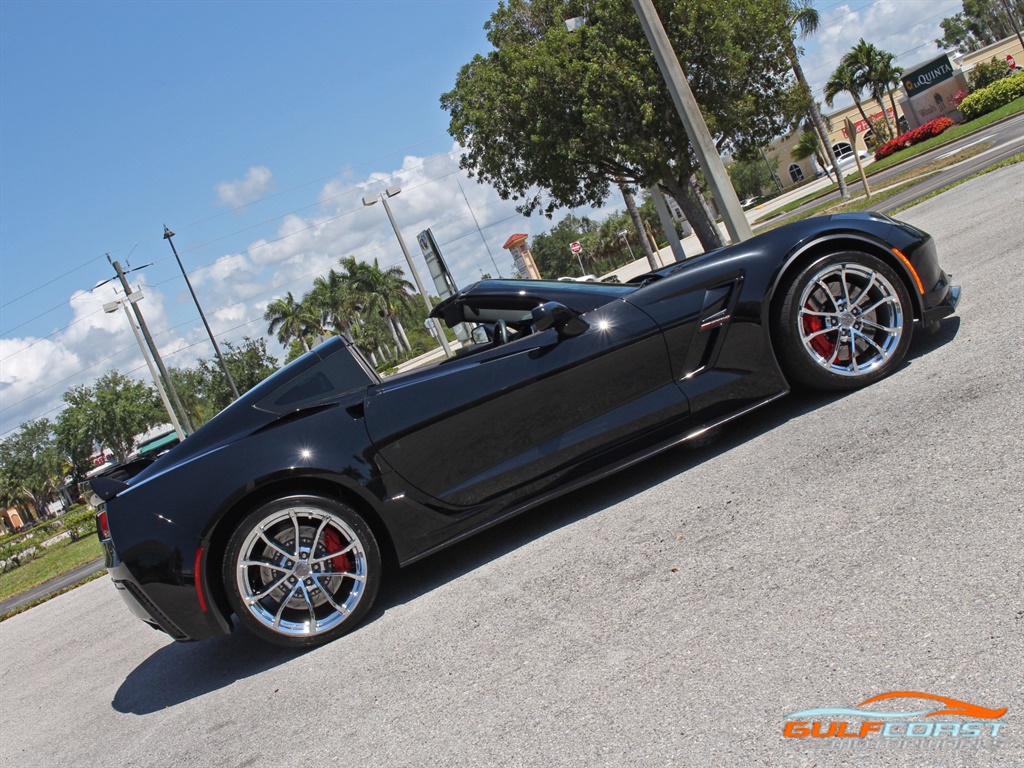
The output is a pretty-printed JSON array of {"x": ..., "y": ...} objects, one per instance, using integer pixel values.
[
  {"x": 846, "y": 319},
  {"x": 302, "y": 570}
]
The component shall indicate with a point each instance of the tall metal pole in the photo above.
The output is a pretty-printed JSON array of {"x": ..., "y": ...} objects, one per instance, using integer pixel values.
[
  {"x": 152, "y": 369},
  {"x": 700, "y": 138},
  {"x": 416, "y": 276},
  {"x": 223, "y": 365},
  {"x": 182, "y": 414}
]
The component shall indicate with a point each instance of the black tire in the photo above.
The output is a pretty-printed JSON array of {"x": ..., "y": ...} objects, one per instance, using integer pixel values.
[
  {"x": 301, "y": 571},
  {"x": 845, "y": 322}
]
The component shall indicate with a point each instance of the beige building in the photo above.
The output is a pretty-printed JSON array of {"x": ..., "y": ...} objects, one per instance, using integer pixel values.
[{"x": 925, "y": 94}]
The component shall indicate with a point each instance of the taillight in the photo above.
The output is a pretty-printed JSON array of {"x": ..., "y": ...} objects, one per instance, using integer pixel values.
[{"x": 101, "y": 525}]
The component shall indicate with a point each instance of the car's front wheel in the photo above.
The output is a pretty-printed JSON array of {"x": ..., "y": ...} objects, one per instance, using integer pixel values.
[
  {"x": 845, "y": 322},
  {"x": 302, "y": 570}
]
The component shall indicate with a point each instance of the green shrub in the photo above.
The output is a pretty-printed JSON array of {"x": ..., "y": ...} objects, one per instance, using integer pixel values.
[
  {"x": 995, "y": 96},
  {"x": 985, "y": 74},
  {"x": 80, "y": 521}
]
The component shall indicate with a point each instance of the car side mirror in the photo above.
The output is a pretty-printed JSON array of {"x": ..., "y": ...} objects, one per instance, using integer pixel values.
[
  {"x": 479, "y": 335},
  {"x": 558, "y": 316}
]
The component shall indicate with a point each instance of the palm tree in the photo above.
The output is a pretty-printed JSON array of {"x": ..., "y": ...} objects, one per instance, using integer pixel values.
[
  {"x": 383, "y": 291},
  {"x": 844, "y": 80},
  {"x": 291, "y": 319},
  {"x": 809, "y": 145},
  {"x": 331, "y": 300},
  {"x": 872, "y": 69},
  {"x": 888, "y": 75},
  {"x": 805, "y": 17}
]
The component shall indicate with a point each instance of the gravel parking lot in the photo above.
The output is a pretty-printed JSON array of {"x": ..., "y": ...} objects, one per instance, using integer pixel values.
[{"x": 814, "y": 554}]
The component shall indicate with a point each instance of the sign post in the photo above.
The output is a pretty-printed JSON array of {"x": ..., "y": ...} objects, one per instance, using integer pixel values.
[
  {"x": 577, "y": 248},
  {"x": 851, "y": 134}
]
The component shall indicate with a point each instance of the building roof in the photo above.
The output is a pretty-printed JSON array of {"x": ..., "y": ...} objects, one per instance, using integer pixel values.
[{"x": 513, "y": 240}]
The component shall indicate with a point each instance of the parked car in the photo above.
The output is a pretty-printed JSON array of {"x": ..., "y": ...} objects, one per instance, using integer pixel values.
[
  {"x": 847, "y": 162},
  {"x": 285, "y": 508}
]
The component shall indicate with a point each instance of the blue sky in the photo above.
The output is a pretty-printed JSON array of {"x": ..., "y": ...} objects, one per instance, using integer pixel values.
[{"x": 252, "y": 130}]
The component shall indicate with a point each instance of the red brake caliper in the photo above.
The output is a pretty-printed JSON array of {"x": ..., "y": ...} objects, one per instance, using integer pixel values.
[
  {"x": 820, "y": 343},
  {"x": 341, "y": 563}
]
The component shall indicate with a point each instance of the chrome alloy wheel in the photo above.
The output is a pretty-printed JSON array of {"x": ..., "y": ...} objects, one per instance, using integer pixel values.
[
  {"x": 301, "y": 571},
  {"x": 851, "y": 319}
]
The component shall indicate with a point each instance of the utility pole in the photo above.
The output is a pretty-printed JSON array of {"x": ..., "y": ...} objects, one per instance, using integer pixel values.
[
  {"x": 223, "y": 365},
  {"x": 182, "y": 415},
  {"x": 693, "y": 121}
]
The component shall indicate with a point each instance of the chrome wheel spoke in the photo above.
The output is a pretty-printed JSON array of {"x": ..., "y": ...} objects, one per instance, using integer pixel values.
[
  {"x": 866, "y": 291},
  {"x": 284, "y": 604},
  {"x": 816, "y": 334},
  {"x": 877, "y": 304},
  {"x": 255, "y": 598},
  {"x": 812, "y": 313},
  {"x": 886, "y": 328},
  {"x": 275, "y": 546}
]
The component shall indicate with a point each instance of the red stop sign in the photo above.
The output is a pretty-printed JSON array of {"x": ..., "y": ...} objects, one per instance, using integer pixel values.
[
  {"x": 575, "y": 247},
  {"x": 1011, "y": 62}
]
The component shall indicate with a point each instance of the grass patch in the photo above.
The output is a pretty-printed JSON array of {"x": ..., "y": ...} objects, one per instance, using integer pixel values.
[
  {"x": 41, "y": 600},
  {"x": 56, "y": 562}
]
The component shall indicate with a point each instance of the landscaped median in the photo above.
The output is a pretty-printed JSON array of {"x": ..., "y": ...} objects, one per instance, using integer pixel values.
[
  {"x": 950, "y": 134},
  {"x": 58, "y": 547}
]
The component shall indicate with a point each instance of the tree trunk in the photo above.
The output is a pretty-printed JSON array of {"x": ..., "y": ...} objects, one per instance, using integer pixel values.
[
  {"x": 816, "y": 119},
  {"x": 885, "y": 116},
  {"x": 895, "y": 115},
  {"x": 638, "y": 224},
  {"x": 703, "y": 226},
  {"x": 394, "y": 335},
  {"x": 401, "y": 332}
]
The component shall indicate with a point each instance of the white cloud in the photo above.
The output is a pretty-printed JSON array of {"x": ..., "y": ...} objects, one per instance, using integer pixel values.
[
  {"x": 257, "y": 183},
  {"x": 906, "y": 29}
]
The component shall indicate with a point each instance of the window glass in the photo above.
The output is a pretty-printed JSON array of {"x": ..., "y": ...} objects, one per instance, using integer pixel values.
[{"x": 331, "y": 377}]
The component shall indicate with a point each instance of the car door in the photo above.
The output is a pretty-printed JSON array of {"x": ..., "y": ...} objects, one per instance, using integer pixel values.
[{"x": 518, "y": 419}]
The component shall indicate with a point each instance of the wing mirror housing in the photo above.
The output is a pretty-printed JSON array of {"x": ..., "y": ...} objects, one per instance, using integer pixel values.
[{"x": 558, "y": 316}]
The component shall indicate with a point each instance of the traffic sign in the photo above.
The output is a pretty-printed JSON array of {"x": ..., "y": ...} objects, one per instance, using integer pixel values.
[
  {"x": 1011, "y": 62},
  {"x": 575, "y": 247}
]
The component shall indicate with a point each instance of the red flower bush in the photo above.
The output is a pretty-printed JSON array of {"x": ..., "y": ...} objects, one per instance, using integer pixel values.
[
  {"x": 956, "y": 98},
  {"x": 922, "y": 132}
]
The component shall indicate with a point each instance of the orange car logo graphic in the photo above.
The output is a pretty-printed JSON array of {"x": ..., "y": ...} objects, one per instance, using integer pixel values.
[
  {"x": 827, "y": 722},
  {"x": 951, "y": 707}
]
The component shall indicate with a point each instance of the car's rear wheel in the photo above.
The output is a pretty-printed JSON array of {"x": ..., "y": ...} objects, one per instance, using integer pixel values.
[
  {"x": 845, "y": 322},
  {"x": 301, "y": 571}
]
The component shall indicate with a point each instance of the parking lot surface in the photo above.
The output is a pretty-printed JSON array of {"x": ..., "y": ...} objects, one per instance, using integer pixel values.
[{"x": 815, "y": 554}]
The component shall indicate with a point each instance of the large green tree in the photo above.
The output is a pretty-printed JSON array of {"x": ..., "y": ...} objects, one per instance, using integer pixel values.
[
  {"x": 31, "y": 467},
  {"x": 981, "y": 23},
  {"x": 121, "y": 408},
  {"x": 552, "y": 118}
]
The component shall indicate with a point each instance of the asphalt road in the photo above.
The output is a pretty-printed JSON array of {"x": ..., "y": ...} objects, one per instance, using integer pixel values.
[{"x": 818, "y": 553}]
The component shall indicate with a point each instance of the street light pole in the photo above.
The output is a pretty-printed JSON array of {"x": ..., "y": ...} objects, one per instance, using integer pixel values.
[
  {"x": 182, "y": 414},
  {"x": 131, "y": 299},
  {"x": 693, "y": 121},
  {"x": 623, "y": 234},
  {"x": 223, "y": 365},
  {"x": 383, "y": 197}
]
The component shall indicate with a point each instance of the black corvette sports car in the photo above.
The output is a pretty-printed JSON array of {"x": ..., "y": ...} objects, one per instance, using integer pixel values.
[{"x": 285, "y": 507}]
